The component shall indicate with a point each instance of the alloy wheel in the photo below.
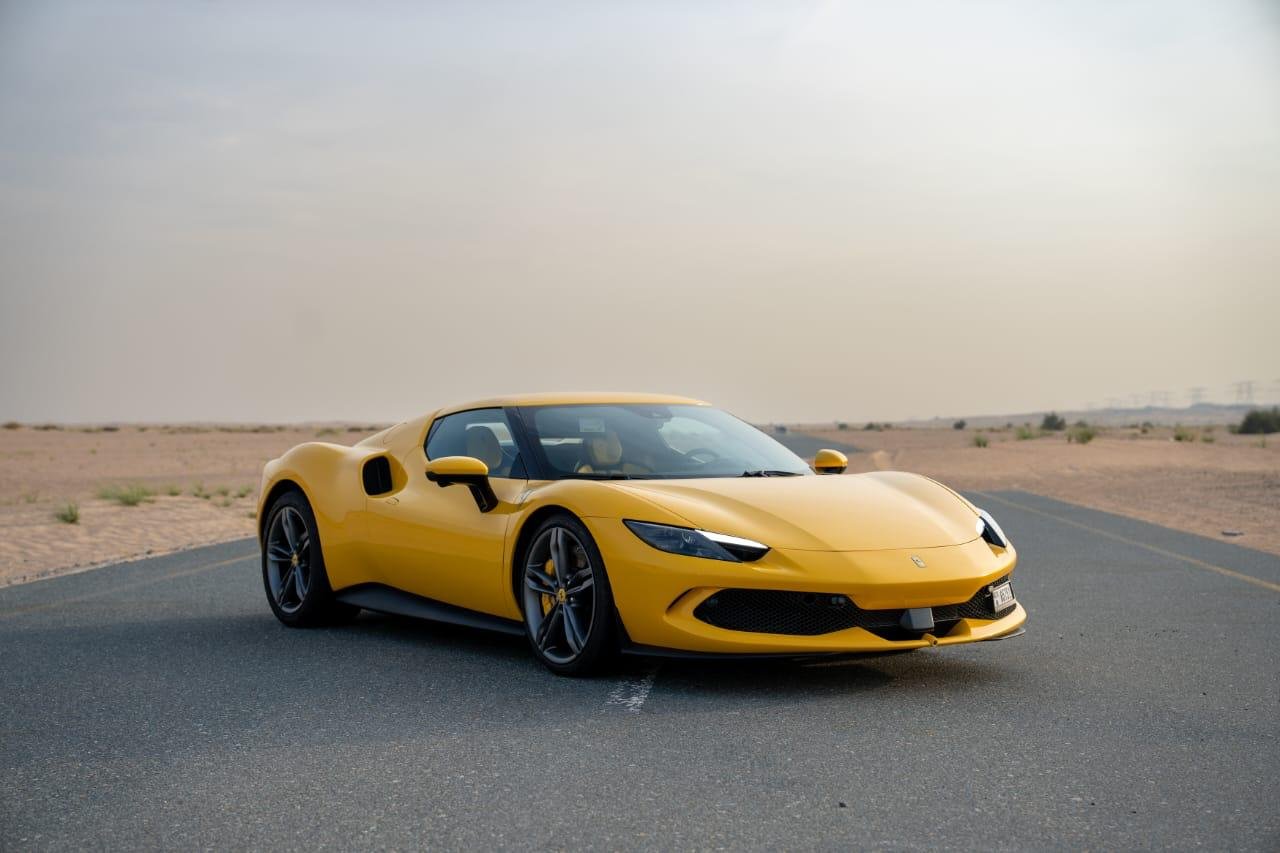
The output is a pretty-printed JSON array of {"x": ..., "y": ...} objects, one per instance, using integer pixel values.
[
  {"x": 289, "y": 559},
  {"x": 559, "y": 594}
]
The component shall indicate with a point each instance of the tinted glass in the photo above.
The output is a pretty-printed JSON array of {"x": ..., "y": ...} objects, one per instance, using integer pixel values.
[
  {"x": 480, "y": 433},
  {"x": 652, "y": 442}
]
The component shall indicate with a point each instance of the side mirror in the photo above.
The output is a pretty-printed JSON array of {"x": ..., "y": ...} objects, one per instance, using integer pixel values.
[
  {"x": 468, "y": 471},
  {"x": 830, "y": 462}
]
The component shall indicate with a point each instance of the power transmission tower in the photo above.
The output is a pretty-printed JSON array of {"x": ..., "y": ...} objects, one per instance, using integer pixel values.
[
  {"x": 1244, "y": 391},
  {"x": 1197, "y": 395},
  {"x": 1160, "y": 399}
]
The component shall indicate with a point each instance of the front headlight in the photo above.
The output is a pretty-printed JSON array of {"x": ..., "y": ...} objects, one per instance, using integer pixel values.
[
  {"x": 697, "y": 543},
  {"x": 990, "y": 531}
]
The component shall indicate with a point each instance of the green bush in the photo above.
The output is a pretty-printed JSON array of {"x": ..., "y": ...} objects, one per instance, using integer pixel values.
[
  {"x": 68, "y": 513},
  {"x": 126, "y": 495},
  {"x": 1081, "y": 434},
  {"x": 958, "y": 424},
  {"x": 1261, "y": 422},
  {"x": 1024, "y": 433},
  {"x": 12, "y": 425},
  {"x": 1053, "y": 422},
  {"x": 979, "y": 440},
  {"x": 1181, "y": 433}
]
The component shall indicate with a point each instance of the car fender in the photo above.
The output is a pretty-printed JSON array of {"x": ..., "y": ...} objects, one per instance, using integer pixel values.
[{"x": 330, "y": 477}]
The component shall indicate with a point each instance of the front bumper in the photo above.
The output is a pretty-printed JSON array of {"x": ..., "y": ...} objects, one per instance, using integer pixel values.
[{"x": 657, "y": 593}]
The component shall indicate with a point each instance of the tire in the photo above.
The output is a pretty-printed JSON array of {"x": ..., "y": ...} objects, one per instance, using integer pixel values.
[
  {"x": 293, "y": 572},
  {"x": 570, "y": 625}
]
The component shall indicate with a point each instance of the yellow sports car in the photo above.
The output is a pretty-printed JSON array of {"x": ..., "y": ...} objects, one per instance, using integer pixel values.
[{"x": 599, "y": 523}]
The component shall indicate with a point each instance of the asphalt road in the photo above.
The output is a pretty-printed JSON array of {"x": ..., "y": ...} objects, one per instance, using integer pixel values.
[{"x": 159, "y": 704}]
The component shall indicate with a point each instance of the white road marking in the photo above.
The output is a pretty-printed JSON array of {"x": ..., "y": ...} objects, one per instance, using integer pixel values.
[{"x": 630, "y": 694}]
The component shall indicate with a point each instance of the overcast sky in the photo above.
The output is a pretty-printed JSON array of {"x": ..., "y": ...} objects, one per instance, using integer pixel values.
[{"x": 280, "y": 211}]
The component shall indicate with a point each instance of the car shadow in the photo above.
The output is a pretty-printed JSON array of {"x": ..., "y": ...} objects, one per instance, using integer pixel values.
[
  {"x": 920, "y": 672},
  {"x": 243, "y": 674}
]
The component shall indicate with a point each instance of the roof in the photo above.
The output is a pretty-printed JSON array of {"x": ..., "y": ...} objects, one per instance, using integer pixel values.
[{"x": 571, "y": 398}]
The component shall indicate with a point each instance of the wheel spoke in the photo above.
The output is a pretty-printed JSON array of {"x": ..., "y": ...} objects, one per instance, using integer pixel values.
[
  {"x": 572, "y": 631},
  {"x": 300, "y": 585},
  {"x": 540, "y": 583},
  {"x": 285, "y": 527},
  {"x": 560, "y": 554},
  {"x": 545, "y": 630},
  {"x": 278, "y": 552},
  {"x": 285, "y": 582},
  {"x": 582, "y": 586},
  {"x": 304, "y": 541}
]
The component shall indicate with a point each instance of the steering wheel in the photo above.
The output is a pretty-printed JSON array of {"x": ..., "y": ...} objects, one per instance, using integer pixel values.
[{"x": 697, "y": 454}]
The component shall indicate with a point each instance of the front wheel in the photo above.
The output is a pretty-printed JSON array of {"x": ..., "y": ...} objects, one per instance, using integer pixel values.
[{"x": 567, "y": 601}]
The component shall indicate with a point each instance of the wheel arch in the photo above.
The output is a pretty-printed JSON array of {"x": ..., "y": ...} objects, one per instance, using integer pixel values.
[
  {"x": 279, "y": 488},
  {"x": 523, "y": 536}
]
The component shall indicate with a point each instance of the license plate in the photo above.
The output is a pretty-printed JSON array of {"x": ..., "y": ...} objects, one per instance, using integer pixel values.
[{"x": 1001, "y": 596}]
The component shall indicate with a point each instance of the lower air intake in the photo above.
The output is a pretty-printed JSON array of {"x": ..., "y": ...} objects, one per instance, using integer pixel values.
[{"x": 762, "y": 611}]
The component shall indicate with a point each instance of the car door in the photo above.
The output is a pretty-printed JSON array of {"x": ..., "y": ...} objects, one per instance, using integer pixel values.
[{"x": 434, "y": 541}]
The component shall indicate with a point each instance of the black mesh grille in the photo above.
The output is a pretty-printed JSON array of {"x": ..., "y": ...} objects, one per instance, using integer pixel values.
[{"x": 762, "y": 611}]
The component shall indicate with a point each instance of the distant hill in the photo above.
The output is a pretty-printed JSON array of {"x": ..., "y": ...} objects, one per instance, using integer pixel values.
[{"x": 1199, "y": 414}]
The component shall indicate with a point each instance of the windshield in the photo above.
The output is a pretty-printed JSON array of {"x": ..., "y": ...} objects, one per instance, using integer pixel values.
[{"x": 652, "y": 442}]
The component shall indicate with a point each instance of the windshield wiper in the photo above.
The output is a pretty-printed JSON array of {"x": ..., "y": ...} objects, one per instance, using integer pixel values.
[{"x": 765, "y": 472}]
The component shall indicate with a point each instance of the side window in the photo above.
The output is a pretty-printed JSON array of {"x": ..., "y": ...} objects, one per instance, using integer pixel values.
[{"x": 481, "y": 433}]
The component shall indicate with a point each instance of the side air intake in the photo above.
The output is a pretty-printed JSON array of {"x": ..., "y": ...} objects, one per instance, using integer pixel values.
[{"x": 377, "y": 476}]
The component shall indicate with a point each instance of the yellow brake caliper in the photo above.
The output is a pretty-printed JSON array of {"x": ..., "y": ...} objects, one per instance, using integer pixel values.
[{"x": 547, "y": 600}]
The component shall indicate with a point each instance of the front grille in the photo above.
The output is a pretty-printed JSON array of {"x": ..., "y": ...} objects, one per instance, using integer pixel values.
[{"x": 762, "y": 611}]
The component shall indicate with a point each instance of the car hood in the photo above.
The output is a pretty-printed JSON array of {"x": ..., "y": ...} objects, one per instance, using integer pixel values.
[{"x": 855, "y": 512}]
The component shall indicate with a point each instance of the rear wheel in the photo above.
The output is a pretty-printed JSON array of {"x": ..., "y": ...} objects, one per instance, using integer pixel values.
[
  {"x": 568, "y": 607},
  {"x": 293, "y": 572}
]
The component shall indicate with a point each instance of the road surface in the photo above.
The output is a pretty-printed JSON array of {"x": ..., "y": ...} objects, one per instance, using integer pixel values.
[{"x": 159, "y": 704}]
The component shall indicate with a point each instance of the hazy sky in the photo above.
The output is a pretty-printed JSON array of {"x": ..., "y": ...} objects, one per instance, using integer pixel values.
[{"x": 277, "y": 211}]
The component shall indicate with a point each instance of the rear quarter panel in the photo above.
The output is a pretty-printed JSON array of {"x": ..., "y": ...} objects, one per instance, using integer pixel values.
[{"x": 330, "y": 477}]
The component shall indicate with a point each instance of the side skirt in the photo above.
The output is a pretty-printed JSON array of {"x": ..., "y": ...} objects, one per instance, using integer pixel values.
[{"x": 384, "y": 599}]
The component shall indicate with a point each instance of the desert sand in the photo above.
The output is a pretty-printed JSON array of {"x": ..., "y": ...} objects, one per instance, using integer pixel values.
[
  {"x": 214, "y": 470},
  {"x": 1210, "y": 482},
  {"x": 205, "y": 481}
]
